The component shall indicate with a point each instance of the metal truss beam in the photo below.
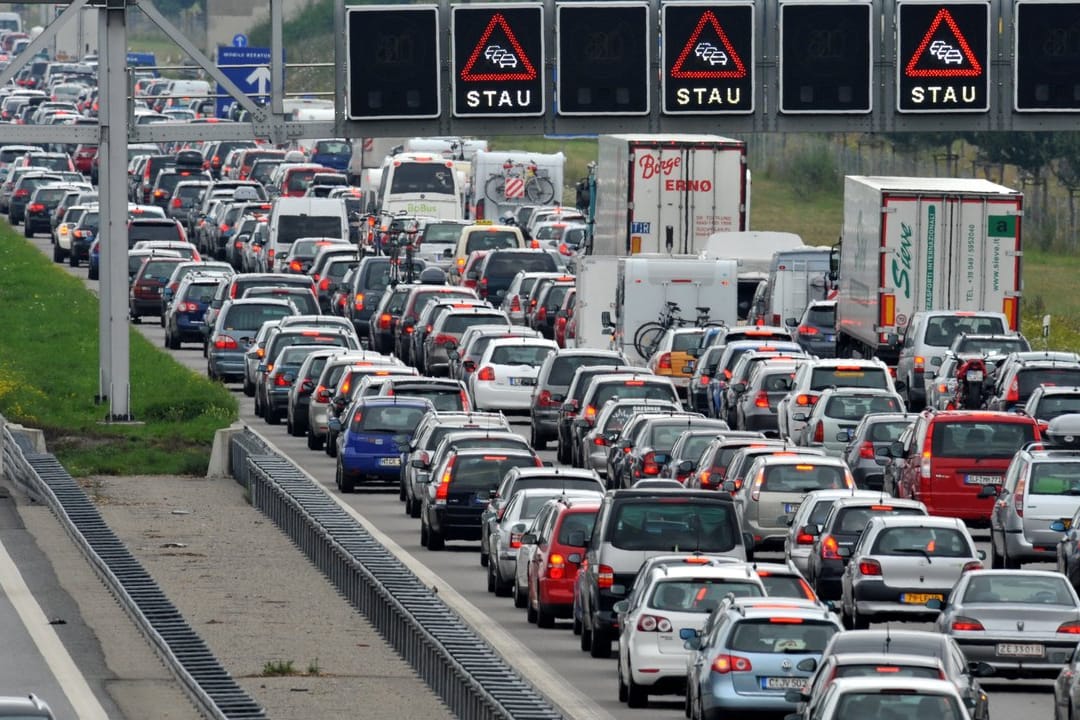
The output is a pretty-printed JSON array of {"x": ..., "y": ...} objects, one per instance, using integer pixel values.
[{"x": 40, "y": 41}]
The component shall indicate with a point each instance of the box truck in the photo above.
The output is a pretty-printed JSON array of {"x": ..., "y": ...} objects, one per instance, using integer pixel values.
[
  {"x": 504, "y": 180},
  {"x": 755, "y": 252},
  {"x": 912, "y": 244},
  {"x": 664, "y": 193},
  {"x": 596, "y": 278}
]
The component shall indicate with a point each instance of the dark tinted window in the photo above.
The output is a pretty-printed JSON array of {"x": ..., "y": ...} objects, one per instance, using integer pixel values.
[
  {"x": 157, "y": 270},
  {"x": 508, "y": 265},
  {"x": 685, "y": 341},
  {"x": 887, "y": 431},
  {"x": 994, "y": 346},
  {"x": 980, "y": 439},
  {"x": 458, "y": 323},
  {"x": 332, "y": 147},
  {"x": 1031, "y": 378},
  {"x": 853, "y": 376},
  {"x": 417, "y": 177},
  {"x": 483, "y": 473},
  {"x": 443, "y": 398},
  {"x": 563, "y": 367},
  {"x": 201, "y": 292},
  {"x": 854, "y": 519},
  {"x": 396, "y": 419},
  {"x": 894, "y": 670},
  {"x": 849, "y": 407},
  {"x": 140, "y": 231},
  {"x": 633, "y": 389},
  {"x": 492, "y": 240},
  {"x": 775, "y": 635},
  {"x": 943, "y": 329},
  {"x": 582, "y": 522},
  {"x": 1053, "y": 405},
  {"x": 442, "y": 233},
  {"x": 821, "y": 315},
  {"x": 291, "y": 227},
  {"x": 674, "y": 524}
]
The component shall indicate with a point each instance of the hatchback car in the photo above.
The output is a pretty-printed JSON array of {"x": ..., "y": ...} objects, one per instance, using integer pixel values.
[
  {"x": 553, "y": 559},
  {"x": 184, "y": 319},
  {"x": 760, "y": 395},
  {"x": 900, "y": 564},
  {"x": 906, "y": 697},
  {"x": 1050, "y": 401},
  {"x": 371, "y": 445},
  {"x": 234, "y": 332},
  {"x": 831, "y": 422},
  {"x": 813, "y": 378},
  {"x": 872, "y": 433},
  {"x": 816, "y": 330},
  {"x": 146, "y": 287},
  {"x": 1015, "y": 382},
  {"x": 595, "y": 445},
  {"x": 300, "y": 392},
  {"x": 506, "y": 374},
  {"x": 812, "y": 512}
]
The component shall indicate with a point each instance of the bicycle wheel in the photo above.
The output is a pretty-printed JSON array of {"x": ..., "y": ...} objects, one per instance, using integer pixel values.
[
  {"x": 495, "y": 187},
  {"x": 647, "y": 337},
  {"x": 539, "y": 190}
]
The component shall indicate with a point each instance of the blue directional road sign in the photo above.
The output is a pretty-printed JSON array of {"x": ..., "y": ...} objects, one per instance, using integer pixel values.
[
  {"x": 239, "y": 40},
  {"x": 248, "y": 68}
]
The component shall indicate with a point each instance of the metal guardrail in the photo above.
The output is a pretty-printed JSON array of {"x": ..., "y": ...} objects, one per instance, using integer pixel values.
[
  {"x": 467, "y": 673},
  {"x": 213, "y": 690}
]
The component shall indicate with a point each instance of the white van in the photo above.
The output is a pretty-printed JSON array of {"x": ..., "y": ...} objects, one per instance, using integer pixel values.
[
  {"x": 795, "y": 278},
  {"x": 10, "y": 22},
  {"x": 292, "y": 218}
]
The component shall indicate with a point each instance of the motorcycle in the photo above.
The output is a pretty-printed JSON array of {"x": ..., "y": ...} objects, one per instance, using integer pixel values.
[{"x": 971, "y": 377}]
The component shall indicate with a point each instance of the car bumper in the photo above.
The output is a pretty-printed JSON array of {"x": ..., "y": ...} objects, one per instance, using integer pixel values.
[
  {"x": 761, "y": 422},
  {"x": 665, "y": 669},
  {"x": 145, "y": 306},
  {"x": 597, "y": 461},
  {"x": 507, "y": 564},
  {"x": 877, "y": 601},
  {"x": 800, "y": 558},
  {"x": 456, "y": 525},
  {"x": 868, "y": 478},
  {"x": 1018, "y": 547},
  {"x": 190, "y": 328},
  {"x": 501, "y": 397},
  {"x": 318, "y": 417},
  {"x": 722, "y": 695},
  {"x": 1056, "y": 655},
  {"x": 278, "y": 399},
  {"x": 371, "y": 467},
  {"x": 546, "y": 423},
  {"x": 226, "y": 365},
  {"x": 557, "y": 596}
]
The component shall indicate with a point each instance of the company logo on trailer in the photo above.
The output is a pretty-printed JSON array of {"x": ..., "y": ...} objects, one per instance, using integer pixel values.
[{"x": 652, "y": 165}]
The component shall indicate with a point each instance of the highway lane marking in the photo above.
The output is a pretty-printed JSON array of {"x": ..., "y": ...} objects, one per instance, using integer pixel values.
[
  {"x": 56, "y": 656},
  {"x": 571, "y": 701}
]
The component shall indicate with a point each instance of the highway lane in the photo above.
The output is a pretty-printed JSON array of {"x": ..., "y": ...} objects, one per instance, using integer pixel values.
[{"x": 458, "y": 566}]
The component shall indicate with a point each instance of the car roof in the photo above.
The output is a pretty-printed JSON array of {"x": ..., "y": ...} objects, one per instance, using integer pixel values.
[
  {"x": 931, "y": 521},
  {"x": 982, "y": 415},
  {"x": 879, "y": 684},
  {"x": 678, "y": 570},
  {"x": 772, "y": 606},
  {"x": 572, "y": 473},
  {"x": 876, "y": 498},
  {"x": 404, "y": 400},
  {"x": 800, "y": 457},
  {"x": 839, "y": 493},
  {"x": 866, "y": 658}
]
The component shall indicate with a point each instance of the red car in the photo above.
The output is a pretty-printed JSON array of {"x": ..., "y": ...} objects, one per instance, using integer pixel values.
[{"x": 556, "y": 558}]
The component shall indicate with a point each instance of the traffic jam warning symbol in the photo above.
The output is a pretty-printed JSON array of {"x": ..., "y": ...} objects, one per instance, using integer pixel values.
[
  {"x": 708, "y": 53},
  {"x": 497, "y": 50},
  {"x": 943, "y": 54}
]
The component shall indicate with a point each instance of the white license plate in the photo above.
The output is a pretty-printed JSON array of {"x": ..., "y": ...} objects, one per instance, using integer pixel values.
[
  {"x": 975, "y": 375},
  {"x": 791, "y": 507},
  {"x": 523, "y": 381},
  {"x": 830, "y": 338},
  {"x": 783, "y": 683},
  {"x": 390, "y": 461},
  {"x": 982, "y": 479},
  {"x": 1020, "y": 650}
]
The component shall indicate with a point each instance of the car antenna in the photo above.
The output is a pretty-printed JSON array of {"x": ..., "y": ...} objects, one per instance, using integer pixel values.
[{"x": 888, "y": 636}]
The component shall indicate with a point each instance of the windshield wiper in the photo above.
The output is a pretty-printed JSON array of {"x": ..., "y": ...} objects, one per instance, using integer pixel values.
[{"x": 912, "y": 551}]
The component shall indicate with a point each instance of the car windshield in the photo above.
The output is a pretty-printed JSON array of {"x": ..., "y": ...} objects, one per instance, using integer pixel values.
[
  {"x": 854, "y": 407},
  {"x": 980, "y": 439},
  {"x": 485, "y": 472},
  {"x": 802, "y": 478},
  {"x": 907, "y": 705},
  {"x": 633, "y": 389},
  {"x": 676, "y": 524},
  {"x": 848, "y": 376},
  {"x": 698, "y": 595},
  {"x": 852, "y": 520},
  {"x": 531, "y": 355},
  {"x": 1026, "y": 589},
  {"x": 781, "y": 635},
  {"x": 922, "y": 541},
  {"x": 941, "y": 330},
  {"x": 491, "y": 240},
  {"x": 1054, "y": 478},
  {"x": 887, "y": 431},
  {"x": 790, "y": 586},
  {"x": 393, "y": 419}
]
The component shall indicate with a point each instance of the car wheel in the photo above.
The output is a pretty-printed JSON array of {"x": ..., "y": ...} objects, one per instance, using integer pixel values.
[
  {"x": 600, "y": 647},
  {"x": 161, "y": 320},
  {"x": 249, "y": 387},
  {"x": 521, "y": 599},
  {"x": 585, "y": 641},
  {"x": 205, "y": 349},
  {"x": 288, "y": 424},
  {"x": 996, "y": 563},
  {"x": 331, "y": 445},
  {"x": 503, "y": 588},
  {"x": 530, "y": 609},
  {"x": 561, "y": 454},
  {"x": 435, "y": 540},
  {"x": 423, "y": 534},
  {"x": 401, "y": 489},
  {"x": 536, "y": 442},
  {"x": 173, "y": 341},
  {"x": 58, "y": 254},
  {"x": 687, "y": 706},
  {"x": 576, "y": 626},
  {"x": 491, "y": 579},
  {"x": 73, "y": 260},
  {"x": 857, "y": 621},
  {"x": 544, "y": 619},
  {"x": 636, "y": 695},
  {"x": 272, "y": 416},
  {"x": 1007, "y": 562},
  {"x": 484, "y": 559},
  {"x": 314, "y": 442},
  {"x": 623, "y": 691},
  {"x": 415, "y": 512},
  {"x": 345, "y": 483}
]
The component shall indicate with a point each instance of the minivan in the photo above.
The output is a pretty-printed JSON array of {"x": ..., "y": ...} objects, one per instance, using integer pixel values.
[{"x": 294, "y": 218}]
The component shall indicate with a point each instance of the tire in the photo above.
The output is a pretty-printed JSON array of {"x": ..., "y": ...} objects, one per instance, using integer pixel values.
[
  {"x": 484, "y": 558},
  {"x": 624, "y": 692},
  {"x": 172, "y": 341},
  {"x": 136, "y": 319},
  {"x": 249, "y": 387},
  {"x": 646, "y": 337},
  {"x": 530, "y": 609},
  {"x": 561, "y": 453},
  {"x": 423, "y": 534},
  {"x": 858, "y": 622},
  {"x": 331, "y": 446},
  {"x": 576, "y": 626},
  {"x": 58, "y": 254},
  {"x": 435, "y": 540},
  {"x": 401, "y": 490},
  {"x": 1007, "y": 562},
  {"x": 535, "y": 441},
  {"x": 600, "y": 647},
  {"x": 73, "y": 259},
  {"x": 495, "y": 188},
  {"x": 996, "y": 561},
  {"x": 161, "y": 320},
  {"x": 91, "y": 274},
  {"x": 585, "y": 639},
  {"x": 543, "y": 619},
  {"x": 521, "y": 599},
  {"x": 416, "y": 507},
  {"x": 26, "y": 230},
  {"x": 345, "y": 484},
  {"x": 636, "y": 695},
  {"x": 272, "y": 416},
  {"x": 491, "y": 580},
  {"x": 313, "y": 442},
  {"x": 539, "y": 190}
]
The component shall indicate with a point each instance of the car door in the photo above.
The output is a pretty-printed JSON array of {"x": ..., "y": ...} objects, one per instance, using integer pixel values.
[{"x": 907, "y": 478}]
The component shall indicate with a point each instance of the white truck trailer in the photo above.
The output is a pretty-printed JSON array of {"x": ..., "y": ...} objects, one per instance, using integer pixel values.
[
  {"x": 663, "y": 193},
  {"x": 912, "y": 244},
  {"x": 503, "y": 180}
]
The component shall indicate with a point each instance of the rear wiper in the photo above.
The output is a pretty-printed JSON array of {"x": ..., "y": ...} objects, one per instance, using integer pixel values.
[{"x": 920, "y": 551}]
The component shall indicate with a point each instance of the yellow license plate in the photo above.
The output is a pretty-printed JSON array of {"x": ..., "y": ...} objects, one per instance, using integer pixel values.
[{"x": 920, "y": 598}]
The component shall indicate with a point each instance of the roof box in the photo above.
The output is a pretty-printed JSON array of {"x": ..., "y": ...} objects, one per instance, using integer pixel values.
[{"x": 1064, "y": 430}]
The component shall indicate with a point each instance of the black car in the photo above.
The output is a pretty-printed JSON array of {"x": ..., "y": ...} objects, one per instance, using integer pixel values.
[
  {"x": 498, "y": 269},
  {"x": 370, "y": 281},
  {"x": 41, "y": 208}
]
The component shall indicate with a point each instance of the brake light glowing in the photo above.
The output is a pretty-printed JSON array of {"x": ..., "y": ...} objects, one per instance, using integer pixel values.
[
  {"x": 724, "y": 664},
  {"x": 866, "y": 450},
  {"x": 487, "y": 374},
  {"x": 634, "y": 383},
  {"x": 924, "y": 466},
  {"x": 819, "y": 433},
  {"x": 556, "y": 567},
  {"x": 442, "y": 339},
  {"x": 384, "y": 321},
  {"x": 920, "y": 364},
  {"x": 870, "y": 567},
  {"x": 805, "y": 400},
  {"x": 281, "y": 381},
  {"x": 443, "y": 491},
  {"x": 966, "y": 624},
  {"x": 590, "y": 412},
  {"x": 225, "y": 342},
  {"x": 762, "y": 400},
  {"x": 1013, "y": 395},
  {"x": 1071, "y": 628},
  {"x": 358, "y": 303},
  {"x": 803, "y": 538},
  {"x": 649, "y": 465},
  {"x": 830, "y": 549},
  {"x": 664, "y": 361}
]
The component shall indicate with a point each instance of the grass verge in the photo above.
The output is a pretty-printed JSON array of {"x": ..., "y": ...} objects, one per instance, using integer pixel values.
[{"x": 49, "y": 377}]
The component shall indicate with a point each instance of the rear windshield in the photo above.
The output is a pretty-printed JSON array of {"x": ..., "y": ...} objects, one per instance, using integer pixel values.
[
  {"x": 788, "y": 586},
  {"x": 890, "y": 705},
  {"x": 980, "y": 439},
  {"x": 778, "y": 382},
  {"x": 853, "y": 376},
  {"x": 941, "y": 330},
  {"x": 492, "y": 240},
  {"x": 50, "y": 195},
  {"x": 782, "y": 635},
  {"x": 921, "y": 541},
  {"x": 563, "y": 367},
  {"x": 396, "y": 419},
  {"x": 531, "y": 355},
  {"x": 887, "y": 431},
  {"x": 617, "y": 418},
  {"x": 698, "y": 595},
  {"x": 582, "y": 522},
  {"x": 157, "y": 270},
  {"x": 802, "y": 478},
  {"x": 305, "y": 302},
  {"x": 485, "y": 472},
  {"x": 662, "y": 436},
  {"x": 507, "y": 266},
  {"x": 685, "y": 341},
  {"x": 201, "y": 292},
  {"x": 443, "y": 398},
  {"x": 854, "y": 519},
  {"x": 243, "y": 284},
  {"x": 396, "y": 303},
  {"x": 1055, "y": 478},
  {"x": 423, "y": 297},
  {"x": 252, "y": 317},
  {"x": 1031, "y": 378},
  {"x": 442, "y": 233},
  {"x": 848, "y": 407},
  {"x": 557, "y": 294},
  {"x": 633, "y": 389},
  {"x": 309, "y": 248},
  {"x": 555, "y": 482},
  {"x": 294, "y": 356},
  {"x": 292, "y": 227},
  {"x": 1053, "y": 405},
  {"x": 675, "y": 524},
  {"x": 1040, "y": 590},
  {"x": 824, "y": 315},
  {"x": 154, "y": 232},
  {"x": 991, "y": 346},
  {"x": 820, "y": 512},
  {"x": 458, "y": 323},
  {"x": 693, "y": 446}
]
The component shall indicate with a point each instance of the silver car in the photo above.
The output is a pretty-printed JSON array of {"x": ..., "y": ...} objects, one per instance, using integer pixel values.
[
  {"x": 596, "y": 444},
  {"x": 814, "y": 509},
  {"x": 1021, "y": 622},
  {"x": 902, "y": 563},
  {"x": 831, "y": 423},
  {"x": 875, "y": 431}
]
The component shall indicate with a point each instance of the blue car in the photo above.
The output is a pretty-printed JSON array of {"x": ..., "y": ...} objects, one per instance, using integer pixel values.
[
  {"x": 334, "y": 154},
  {"x": 94, "y": 263},
  {"x": 751, "y": 652},
  {"x": 184, "y": 319},
  {"x": 371, "y": 435}
]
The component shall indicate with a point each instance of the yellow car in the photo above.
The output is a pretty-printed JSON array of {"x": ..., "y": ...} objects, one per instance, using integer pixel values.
[{"x": 672, "y": 358}]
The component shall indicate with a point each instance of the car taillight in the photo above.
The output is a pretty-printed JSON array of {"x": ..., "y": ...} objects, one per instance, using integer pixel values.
[
  {"x": 324, "y": 284},
  {"x": 515, "y": 303},
  {"x": 321, "y": 394},
  {"x": 295, "y": 266},
  {"x": 443, "y": 491},
  {"x": 541, "y": 315},
  {"x": 866, "y": 450},
  {"x": 705, "y": 478},
  {"x": 384, "y": 321},
  {"x": 22, "y": 192},
  {"x": 515, "y": 540},
  {"x": 1013, "y": 395},
  {"x": 830, "y": 549},
  {"x": 159, "y": 193},
  {"x": 442, "y": 339},
  {"x": 724, "y": 664},
  {"x": 1071, "y": 628},
  {"x": 225, "y": 342},
  {"x": 358, "y": 304},
  {"x": 1018, "y": 496},
  {"x": 544, "y": 399},
  {"x": 189, "y": 307},
  {"x": 486, "y": 374},
  {"x": 653, "y": 623},
  {"x": 805, "y": 400},
  {"x": 804, "y": 538},
  {"x": 36, "y": 208},
  {"x": 664, "y": 361},
  {"x": 807, "y": 330},
  {"x": 600, "y": 440},
  {"x": 972, "y": 566},
  {"x": 819, "y": 432},
  {"x": 649, "y": 465},
  {"x": 920, "y": 364},
  {"x": 924, "y": 466},
  {"x": 755, "y": 489},
  {"x": 762, "y": 400},
  {"x": 556, "y": 567},
  {"x": 605, "y": 577},
  {"x": 590, "y": 412},
  {"x": 176, "y": 202},
  {"x": 280, "y": 381},
  {"x": 966, "y": 624},
  {"x": 870, "y": 567}
]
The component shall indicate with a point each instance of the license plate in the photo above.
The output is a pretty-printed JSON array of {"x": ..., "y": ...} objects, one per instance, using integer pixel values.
[
  {"x": 783, "y": 683},
  {"x": 390, "y": 461},
  {"x": 523, "y": 381},
  {"x": 982, "y": 479},
  {"x": 791, "y": 507},
  {"x": 481, "y": 499},
  {"x": 689, "y": 367},
  {"x": 975, "y": 375},
  {"x": 830, "y": 338},
  {"x": 920, "y": 598},
  {"x": 1020, "y": 650}
]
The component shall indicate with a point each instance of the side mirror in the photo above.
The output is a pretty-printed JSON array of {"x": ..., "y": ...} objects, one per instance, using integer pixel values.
[
  {"x": 581, "y": 423},
  {"x": 738, "y": 388},
  {"x": 935, "y": 604},
  {"x": 989, "y": 491},
  {"x": 981, "y": 554},
  {"x": 1058, "y": 526},
  {"x": 807, "y": 665},
  {"x": 576, "y": 539},
  {"x": 568, "y": 407},
  {"x": 800, "y": 416},
  {"x": 686, "y": 466},
  {"x": 813, "y": 529},
  {"x": 448, "y": 253},
  {"x": 896, "y": 449},
  {"x": 493, "y": 494},
  {"x": 454, "y": 355},
  {"x": 796, "y": 696},
  {"x": 936, "y": 362},
  {"x": 528, "y": 539},
  {"x": 621, "y": 607},
  {"x": 261, "y": 367},
  {"x": 307, "y": 386},
  {"x": 605, "y": 319},
  {"x": 450, "y": 345},
  {"x": 473, "y": 275},
  {"x": 689, "y": 634},
  {"x": 518, "y": 528},
  {"x": 729, "y": 486},
  {"x": 334, "y": 425},
  {"x": 981, "y": 669},
  {"x": 844, "y": 552},
  {"x": 574, "y": 557},
  {"x": 418, "y": 464},
  {"x": 791, "y": 322},
  {"x": 900, "y": 385}
]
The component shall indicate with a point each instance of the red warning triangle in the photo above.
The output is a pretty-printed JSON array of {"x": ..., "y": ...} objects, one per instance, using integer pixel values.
[
  {"x": 730, "y": 65},
  {"x": 499, "y": 62},
  {"x": 944, "y": 54}
]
